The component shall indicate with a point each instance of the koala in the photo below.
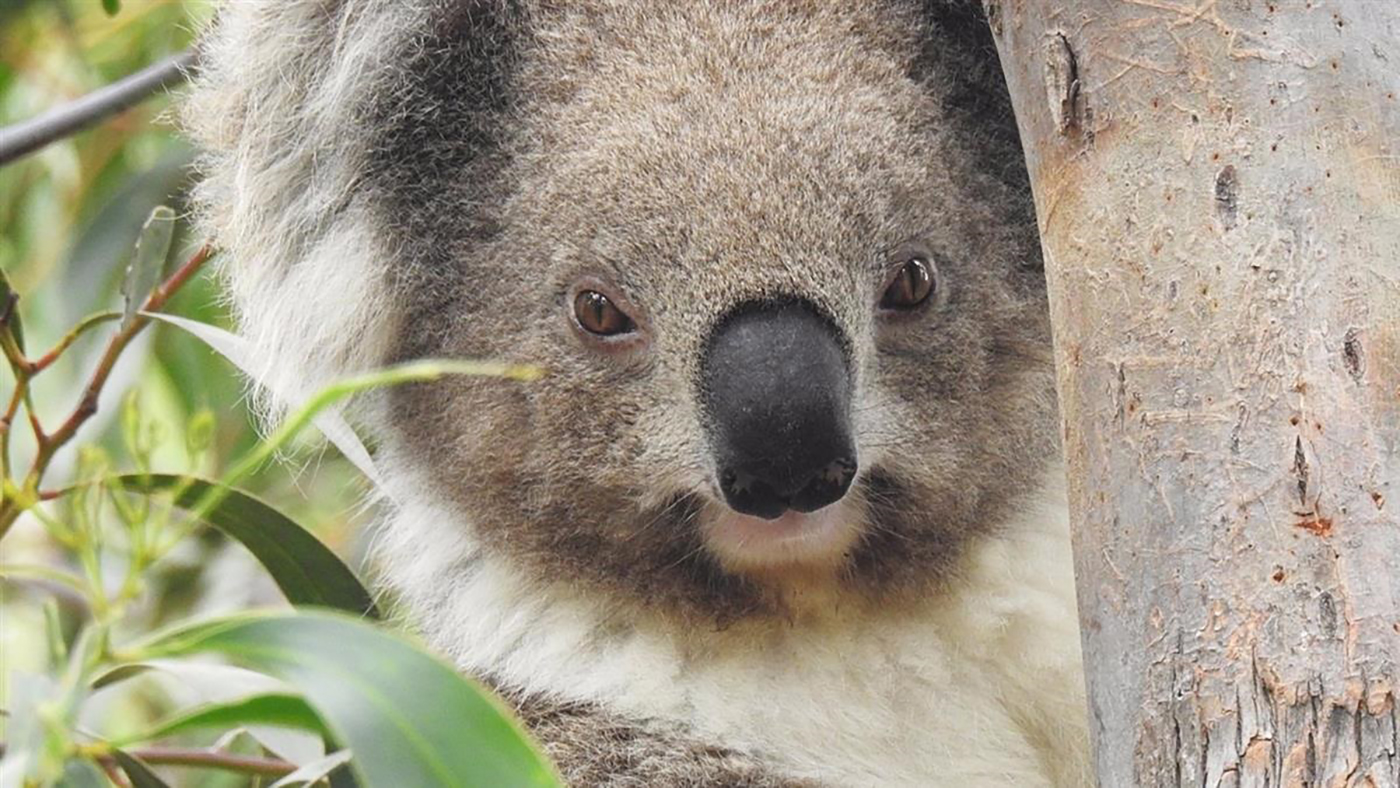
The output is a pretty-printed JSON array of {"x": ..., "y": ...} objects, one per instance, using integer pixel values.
[{"x": 785, "y": 508}]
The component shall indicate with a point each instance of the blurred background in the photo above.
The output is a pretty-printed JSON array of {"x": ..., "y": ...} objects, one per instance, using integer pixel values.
[{"x": 69, "y": 216}]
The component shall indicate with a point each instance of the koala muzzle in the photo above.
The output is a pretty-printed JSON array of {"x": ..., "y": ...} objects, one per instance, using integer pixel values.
[{"x": 776, "y": 390}]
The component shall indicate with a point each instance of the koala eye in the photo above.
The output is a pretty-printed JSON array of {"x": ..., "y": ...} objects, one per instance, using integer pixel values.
[
  {"x": 913, "y": 283},
  {"x": 597, "y": 314}
]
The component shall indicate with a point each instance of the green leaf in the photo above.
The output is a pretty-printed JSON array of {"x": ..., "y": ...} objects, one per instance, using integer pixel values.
[
  {"x": 9, "y": 306},
  {"x": 221, "y": 684},
  {"x": 239, "y": 352},
  {"x": 111, "y": 6},
  {"x": 148, "y": 261},
  {"x": 139, "y": 773},
  {"x": 276, "y": 709},
  {"x": 83, "y": 774},
  {"x": 314, "y": 771},
  {"x": 306, "y": 570},
  {"x": 408, "y": 718},
  {"x": 88, "y": 274}
]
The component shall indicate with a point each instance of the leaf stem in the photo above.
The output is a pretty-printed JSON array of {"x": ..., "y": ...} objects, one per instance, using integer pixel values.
[
  {"x": 19, "y": 367},
  {"x": 49, "y": 444},
  {"x": 170, "y": 756},
  {"x": 45, "y": 361},
  {"x": 178, "y": 756},
  {"x": 409, "y": 372}
]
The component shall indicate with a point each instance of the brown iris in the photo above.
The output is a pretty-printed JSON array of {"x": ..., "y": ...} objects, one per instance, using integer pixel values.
[
  {"x": 912, "y": 285},
  {"x": 597, "y": 314}
]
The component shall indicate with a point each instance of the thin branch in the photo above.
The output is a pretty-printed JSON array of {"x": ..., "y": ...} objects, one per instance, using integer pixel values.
[
  {"x": 208, "y": 759},
  {"x": 49, "y": 444},
  {"x": 87, "y": 406},
  {"x": 43, "y": 362},
  {"x": 28, "y": 136}
]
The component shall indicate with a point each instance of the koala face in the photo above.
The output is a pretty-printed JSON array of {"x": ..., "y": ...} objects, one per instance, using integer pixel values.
[
  {"x": 786, "y": 295},
  {"x": 783, "y": 302}
]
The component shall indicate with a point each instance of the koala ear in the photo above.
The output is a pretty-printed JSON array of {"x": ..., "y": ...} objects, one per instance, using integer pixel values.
[
  {"x": 440, "y": 116},
  {"x": 959, "y": 56},
  {"x": 958, "y": 60},
  {"x": 321, "y": 122}
]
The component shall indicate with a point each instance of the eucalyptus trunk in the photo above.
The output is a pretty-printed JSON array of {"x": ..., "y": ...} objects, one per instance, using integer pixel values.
[{"x": 1218, "y": 191}]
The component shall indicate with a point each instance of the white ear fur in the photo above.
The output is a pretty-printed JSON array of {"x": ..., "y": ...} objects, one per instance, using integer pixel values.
[{"x": 273, "y": 110}]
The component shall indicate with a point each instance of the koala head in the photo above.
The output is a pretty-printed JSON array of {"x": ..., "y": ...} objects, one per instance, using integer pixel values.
[{"x": 775, "y": 258}]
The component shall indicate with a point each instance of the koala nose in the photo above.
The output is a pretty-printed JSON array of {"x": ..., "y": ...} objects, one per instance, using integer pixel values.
[{"x": 776, "y": 391}]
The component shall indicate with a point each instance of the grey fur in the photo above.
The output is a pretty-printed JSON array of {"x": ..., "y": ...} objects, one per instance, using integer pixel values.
[
  {"x": 594, "y": 748},
  {"x": 693, "y": 156}
]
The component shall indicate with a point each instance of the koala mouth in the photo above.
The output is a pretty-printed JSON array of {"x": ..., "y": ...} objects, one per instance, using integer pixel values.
[{"x": 744, "y": 542}]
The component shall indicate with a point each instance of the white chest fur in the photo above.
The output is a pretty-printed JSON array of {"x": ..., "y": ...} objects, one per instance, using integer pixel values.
[{"x": 981, "y": 687}]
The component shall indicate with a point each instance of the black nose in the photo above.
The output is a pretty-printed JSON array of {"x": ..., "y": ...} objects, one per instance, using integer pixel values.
[{"x": 776, "y": 389}]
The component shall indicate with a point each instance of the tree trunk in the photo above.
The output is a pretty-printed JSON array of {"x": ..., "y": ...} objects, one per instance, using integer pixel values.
[{"x": 1218, "y": 190}]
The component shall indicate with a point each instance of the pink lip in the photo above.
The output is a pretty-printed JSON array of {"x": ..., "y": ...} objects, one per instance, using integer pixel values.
[{"x": 815, "y": 538}]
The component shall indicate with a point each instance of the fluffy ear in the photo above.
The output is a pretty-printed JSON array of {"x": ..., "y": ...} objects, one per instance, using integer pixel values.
[
  {"x": 958, "y": 50},
  {"x": 321, "y": 124},
  {"x": 959, "y": 53}
]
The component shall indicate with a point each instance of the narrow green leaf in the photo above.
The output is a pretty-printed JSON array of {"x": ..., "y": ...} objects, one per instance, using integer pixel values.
[
  {"x": 318, "y": 409},
  {"x": 239, "y": 352},
  {"x": 112, "y": 6},
  {"x": 9, "y": 302},
  {"x": 83, "y": 774},
  {"x": 306, "y": 570},
  {"x": 119, "y": 674},
  {"x": 277, "y": 709},
  {"x": 314, "y": 771},
  {"x": 409, "y": 718},
  {"x": 93, "y": 266},
  {"x": 215, "y": 683},
  {"x": 137, "y": 772},
  {"x": 147, "y": 261}
]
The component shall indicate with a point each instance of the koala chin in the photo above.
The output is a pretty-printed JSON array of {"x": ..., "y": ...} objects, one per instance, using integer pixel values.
[{"x": 785, "y": 509}]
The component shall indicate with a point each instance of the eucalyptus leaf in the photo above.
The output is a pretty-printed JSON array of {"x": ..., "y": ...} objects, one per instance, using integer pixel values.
[
  {"x": 83, "y": 774},
  {"x": 90, "y": 271},
  {"x": 147, "y": 261},
  {"x": 25, "y": 753},
  {"x": 137, "y": 772},
  {"x": 275, "y": 709},
  {"x": 221, "y": 684},
  {"x": 317, "y": 408},
  {"x": 316, "y": 770},
  {"x": 305, "y": 569},
  {"x": 9, "y": 300},
  {"x": 409, "y": 718},
  {"x": 239, "y": 352}
]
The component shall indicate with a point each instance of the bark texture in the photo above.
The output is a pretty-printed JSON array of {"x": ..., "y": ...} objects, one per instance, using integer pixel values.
[{"x": 1218, "y": 190}]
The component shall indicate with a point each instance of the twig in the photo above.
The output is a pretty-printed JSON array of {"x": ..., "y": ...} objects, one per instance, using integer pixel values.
[
  {"x": 43, "y": 362},
  {"x": 114, "y": 773},
  {"x": 48, "y": 445},
  {"x": 87, "y": 406},
  {"x": 171, "y": 756},
  {"x": 28, "y": 136},
  {"x": 209, "y": 759}
]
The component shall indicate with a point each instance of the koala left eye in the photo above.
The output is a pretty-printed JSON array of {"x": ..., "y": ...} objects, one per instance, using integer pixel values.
[
  {"x": 912, "y": 285},
  {"x": 598, "y": 315}
]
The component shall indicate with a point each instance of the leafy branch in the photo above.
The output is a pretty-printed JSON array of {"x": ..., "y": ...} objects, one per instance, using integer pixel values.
[
  {"x": 16, "y": 498},
  {"x": 183, "y": 756}
]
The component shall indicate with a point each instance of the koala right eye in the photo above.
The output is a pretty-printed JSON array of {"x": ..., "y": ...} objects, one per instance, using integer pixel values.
[{"x": 597, "y": 315}]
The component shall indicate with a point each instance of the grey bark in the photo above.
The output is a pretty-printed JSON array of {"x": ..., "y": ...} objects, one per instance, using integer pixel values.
[{"x": 1218, "y": 191}]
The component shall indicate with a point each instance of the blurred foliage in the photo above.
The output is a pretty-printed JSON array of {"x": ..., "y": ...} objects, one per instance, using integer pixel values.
[
  {"x": 98, "y": 567},
  {"x": 69, "y": 218}
]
